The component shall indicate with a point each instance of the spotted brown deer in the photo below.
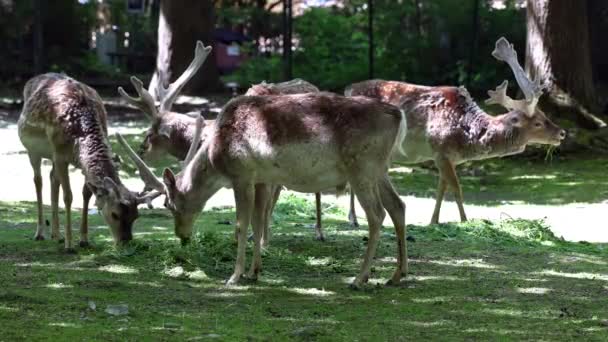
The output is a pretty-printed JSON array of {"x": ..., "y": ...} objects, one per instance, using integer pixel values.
[
  {"x": 307, "y": 142},
  {"x": 64, "y": 121},
  {"x": 174, "y": 133},
  {"x": 446, "y": 126}
]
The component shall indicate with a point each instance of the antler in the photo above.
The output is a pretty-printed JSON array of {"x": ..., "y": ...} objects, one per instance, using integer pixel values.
[
  {"x": 144, "y": 171},
  {"x": 167, "y": 96},
  {"x": 500, "y": 97},
  {"x": 532, "y": 90},
  {"x": 145, "y": 101},
  {"x": 195, "y": 140}
]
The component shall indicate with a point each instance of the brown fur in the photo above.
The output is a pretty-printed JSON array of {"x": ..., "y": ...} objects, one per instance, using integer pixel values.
[
  {"x": 445, "y": 125},
  {"x": 65, "y": 121},
  {"x": 173, "y": 132}
]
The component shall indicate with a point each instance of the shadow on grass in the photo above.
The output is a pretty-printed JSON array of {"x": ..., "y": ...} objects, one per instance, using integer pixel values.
[{"x": 512, "y": 180}]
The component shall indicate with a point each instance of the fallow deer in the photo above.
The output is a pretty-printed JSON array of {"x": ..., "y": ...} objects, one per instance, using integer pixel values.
[
  {"x": 64, "y": 121},
  {"x": 173, "y": 133},
  {"x": 445, "y": 125},
  {"x": 306, "y": 142}
]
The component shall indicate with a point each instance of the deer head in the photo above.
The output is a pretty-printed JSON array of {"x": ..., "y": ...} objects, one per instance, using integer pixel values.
[
  {"x": 524, "y": 119},
  {"x": 175, "y": 187},
  {"x": 164, "y": 122}
]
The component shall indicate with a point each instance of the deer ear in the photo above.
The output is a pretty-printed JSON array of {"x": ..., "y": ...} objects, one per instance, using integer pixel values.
[{"x": 169, "y": 179}]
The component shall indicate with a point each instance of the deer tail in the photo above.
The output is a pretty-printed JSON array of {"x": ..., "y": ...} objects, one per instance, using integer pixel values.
[{"x": 401, "y": 133}]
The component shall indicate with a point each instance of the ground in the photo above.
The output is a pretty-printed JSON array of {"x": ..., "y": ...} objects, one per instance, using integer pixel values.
[{"x": 496, "y": 277}]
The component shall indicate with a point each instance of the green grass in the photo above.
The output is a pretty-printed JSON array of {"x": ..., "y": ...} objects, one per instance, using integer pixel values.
[
  {"x": 508, "y": 280},
  {"x": 559, "y": 180}
]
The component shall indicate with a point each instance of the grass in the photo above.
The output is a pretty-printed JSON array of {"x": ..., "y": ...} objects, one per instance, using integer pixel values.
[
  {"x": 558, "y": 180},
  {"x": 480, "y": 280}
]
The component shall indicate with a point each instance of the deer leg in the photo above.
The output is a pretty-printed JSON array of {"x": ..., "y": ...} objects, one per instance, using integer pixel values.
[
  {"x": 396, "y": 210},
  {"x": 259, "y": 221},
  {"x": 438, "y": 199},
  {"x": 84, "y": 222},
  {"x": 35, "y": 162},
  {"x": 272, "y": 199},
  {"x": 369, "y": 198},
  {"x": 244, "y": 195},
  {"x": 451, "y": 178},
  {"x": 318, "y": 228},
  {"x": 62, "y": 174},
  {"x": 352, "y": 215},
  {"x": 55, "y": 234}
]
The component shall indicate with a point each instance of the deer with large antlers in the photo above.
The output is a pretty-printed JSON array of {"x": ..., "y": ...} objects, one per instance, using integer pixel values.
[
  {"x": 64, "y": 121},
  {"x": 306, "y": 142},
  {"x": 174, "y": 133},
  {"x": 446, "y": 126}
]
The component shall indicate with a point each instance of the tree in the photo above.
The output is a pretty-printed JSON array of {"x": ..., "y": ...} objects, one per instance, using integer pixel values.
[
  {"x": 558, "y": 52},
  {"x": 181, "y": 23}
]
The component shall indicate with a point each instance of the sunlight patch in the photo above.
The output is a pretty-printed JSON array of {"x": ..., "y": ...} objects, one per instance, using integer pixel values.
[
  {"x": 227, "y": 294},
  {"x": 432, "y": 299},
  {"x": 534, "y": 290},
  {"x": 401, "y": 169},
  {"x": 179, "y": 272},
  {"x": 433, "y": 278},
  {"x": 580, "y": 275},
  {"x": 58, "y": 286},
  {"x": 119, "y": 269},
  {"x": 64, "y": 325},
  {"x": 311, "y": 291},
  {"x": 159, "y": 228},
  {"x": 312, "y": 261},
  {"x": 533, "y": 177},
  {"x": 477, "y": 263},
  {"x": 145, "y": 283},
  {"x": 8, "y": 308},
  {"x": 36, "y": 264},
  {"x": 428, "y": 324}
]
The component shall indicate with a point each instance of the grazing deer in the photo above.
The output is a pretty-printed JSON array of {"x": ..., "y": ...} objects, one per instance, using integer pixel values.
[
  {"x": 445, "y": 125},
  {"x": 174, "y": 133},
  {"x": 65, "y": 121},
  {"x": 307, "y": 142}
]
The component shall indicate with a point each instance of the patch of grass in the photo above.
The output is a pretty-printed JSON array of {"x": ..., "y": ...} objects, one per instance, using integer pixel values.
[
  {"x": 478, "y": 280},
  {"x": 556, "y": 180}
]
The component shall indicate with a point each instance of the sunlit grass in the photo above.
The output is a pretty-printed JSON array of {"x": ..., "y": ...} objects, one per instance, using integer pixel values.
[{"x": 478, "y": 280}]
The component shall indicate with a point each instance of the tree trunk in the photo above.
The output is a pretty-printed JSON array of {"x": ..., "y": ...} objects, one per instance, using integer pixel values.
[
  {"x": 180, "y": 25},
  {"x": 558, "y": 51}
]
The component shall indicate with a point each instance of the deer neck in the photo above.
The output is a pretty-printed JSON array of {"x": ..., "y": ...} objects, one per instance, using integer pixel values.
[
  {"x": 488, "y": 135},
  {"x": 200, "y": 179},
  {"x": 94, "y": 155},
  {"x": 180, "y": 131}
]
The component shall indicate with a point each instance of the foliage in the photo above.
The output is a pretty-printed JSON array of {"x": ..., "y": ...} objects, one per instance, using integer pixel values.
[{"x": 430, "y": 46}]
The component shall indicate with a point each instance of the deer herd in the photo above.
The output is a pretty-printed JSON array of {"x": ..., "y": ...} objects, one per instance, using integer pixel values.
[{"x": 277, "y": 135}]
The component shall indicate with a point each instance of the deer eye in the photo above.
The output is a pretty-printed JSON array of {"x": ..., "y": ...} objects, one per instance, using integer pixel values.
[
  {"x": 514, "y": 120},
  {"x": 115, "y": 216},
  {"x": 538, "y": 124}
]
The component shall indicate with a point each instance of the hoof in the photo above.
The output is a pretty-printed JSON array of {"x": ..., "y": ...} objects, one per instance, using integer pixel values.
[
  {"x": 39, "y": 237},
  {"x": 354, "y": 224},
  {"x": 320, "y": 238},
  {"x": 354, "y": 287},
  {"x": 393, "y": 282},
  {"x": 59, "y": 239},
  {"x": 252, "y": 277},
  {"x": 84, "y": 244},
  {"x": 69, "y": 250},
  {"x": 410, "y": 238},
  {"x": 234, "y": 280}
]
